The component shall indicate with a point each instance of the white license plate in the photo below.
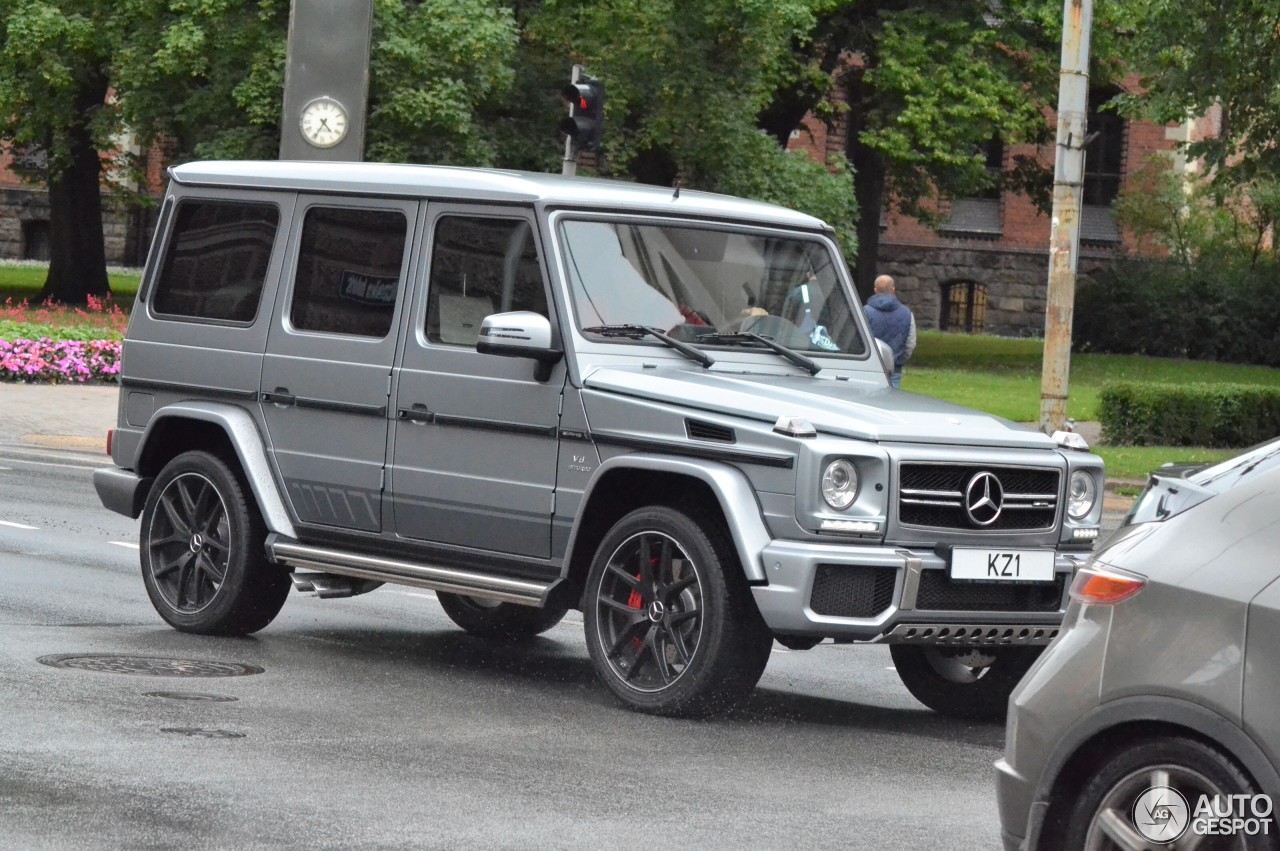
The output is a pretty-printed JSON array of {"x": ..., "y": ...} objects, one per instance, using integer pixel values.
[{"x": 1002, "y": 565}]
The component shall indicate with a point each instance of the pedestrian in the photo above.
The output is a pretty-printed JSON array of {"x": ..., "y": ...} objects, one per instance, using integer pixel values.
[{"x": 893, "y": 322}]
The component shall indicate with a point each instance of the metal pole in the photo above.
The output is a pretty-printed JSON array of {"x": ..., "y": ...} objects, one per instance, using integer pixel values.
[
  {"x": 569, "y": 167},
  {"x": 1064, "y": 240}
]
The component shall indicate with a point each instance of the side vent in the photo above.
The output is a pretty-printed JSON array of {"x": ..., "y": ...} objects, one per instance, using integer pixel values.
[{"x": 699, "y": 430}]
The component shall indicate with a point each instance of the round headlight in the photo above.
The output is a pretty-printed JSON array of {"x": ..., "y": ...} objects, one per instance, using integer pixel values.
[
  {"x": 1084, "y": 494},
  {"x": 840, "y": 484}
]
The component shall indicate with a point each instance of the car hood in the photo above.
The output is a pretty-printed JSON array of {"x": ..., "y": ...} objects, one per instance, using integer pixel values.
[{"x": 860, "y": 409}]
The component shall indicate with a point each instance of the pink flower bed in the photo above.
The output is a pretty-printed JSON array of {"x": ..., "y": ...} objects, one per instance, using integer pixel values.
[{"x": 57, "y": 361}]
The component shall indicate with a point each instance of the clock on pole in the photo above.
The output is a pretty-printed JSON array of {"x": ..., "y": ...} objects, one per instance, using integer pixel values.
[
  {"x": 324, "y": 122},
  {"x": 326, "y": 80}
]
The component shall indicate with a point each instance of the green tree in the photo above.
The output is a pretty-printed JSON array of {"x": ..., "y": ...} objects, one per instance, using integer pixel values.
[
  {"x": 1213, "y": 58},
  {"x": 55, "y": 61}
]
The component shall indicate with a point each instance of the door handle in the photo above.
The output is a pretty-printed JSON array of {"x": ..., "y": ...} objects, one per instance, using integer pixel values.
[
  {"x": 280, "y": 396},
  {"x": 416, "y": 414}
]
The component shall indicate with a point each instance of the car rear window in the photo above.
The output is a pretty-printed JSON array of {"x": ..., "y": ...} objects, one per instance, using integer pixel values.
[{"x": 216, "y": 262}]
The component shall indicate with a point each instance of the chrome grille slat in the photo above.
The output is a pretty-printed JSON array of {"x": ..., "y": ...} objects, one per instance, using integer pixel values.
[{"x": 931, "y": 495}]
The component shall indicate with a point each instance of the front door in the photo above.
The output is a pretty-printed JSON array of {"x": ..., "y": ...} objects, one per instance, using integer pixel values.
[
  {"x": 475, "y": 439},
  {"x": 327, "y": 373}
]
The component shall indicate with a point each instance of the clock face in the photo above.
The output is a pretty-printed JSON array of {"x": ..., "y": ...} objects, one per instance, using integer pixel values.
[{"x": 324, "y": 122}]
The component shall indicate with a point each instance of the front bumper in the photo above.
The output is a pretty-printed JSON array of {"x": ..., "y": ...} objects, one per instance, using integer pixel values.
[{"x": 791, "y": 568}]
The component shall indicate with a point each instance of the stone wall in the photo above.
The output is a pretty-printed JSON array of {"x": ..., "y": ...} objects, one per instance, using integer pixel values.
[
  {"x": 126, "y": 230},
  {"x": 1015, "y": 281}
]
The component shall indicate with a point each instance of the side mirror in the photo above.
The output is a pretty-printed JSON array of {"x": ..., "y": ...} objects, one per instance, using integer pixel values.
[
  {"x": 886, "y": 357},
  {"x": 520, "y": 334}
]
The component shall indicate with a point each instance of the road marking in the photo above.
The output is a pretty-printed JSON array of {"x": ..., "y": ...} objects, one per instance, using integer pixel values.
[
  {"x": 52, "y": 464},
  {"x": 6, "y": 469},
  {"x": 17, "y": 525},
  {"x": 125, "y": 544}
]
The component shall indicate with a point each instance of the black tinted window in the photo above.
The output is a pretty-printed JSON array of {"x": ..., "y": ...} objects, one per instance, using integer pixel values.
[
  {"x": 348, "y": 275},
  {"x": 216, "y": 261},
  {"x": 481, "y": 266}
]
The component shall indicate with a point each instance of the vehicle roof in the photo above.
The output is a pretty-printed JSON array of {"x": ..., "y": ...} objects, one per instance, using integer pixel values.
[{"x": 480, "y": 184}]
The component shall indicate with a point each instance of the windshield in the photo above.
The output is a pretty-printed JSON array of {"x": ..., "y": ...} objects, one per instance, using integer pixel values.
[{"x": 695, "y": 282}]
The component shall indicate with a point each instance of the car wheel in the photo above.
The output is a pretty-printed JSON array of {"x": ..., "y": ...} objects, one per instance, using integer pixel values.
[
  {"x": 671, "y": 626},
  {"x": 1120, "y": 807},
  {"x": 500, "y": 621},
  {"x": 203, "y": 561},
  {"x": 973, "y": 683}
]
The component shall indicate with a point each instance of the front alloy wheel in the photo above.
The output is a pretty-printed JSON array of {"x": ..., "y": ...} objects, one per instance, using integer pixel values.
[
  {"x": 189, "y": 543},
  {"x": 671, "y": 625}
]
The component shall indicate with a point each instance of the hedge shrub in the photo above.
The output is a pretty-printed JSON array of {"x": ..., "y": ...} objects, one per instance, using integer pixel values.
[
  {"x": 1220, "y": 309},
  {"x": 1222, "y": 415}
]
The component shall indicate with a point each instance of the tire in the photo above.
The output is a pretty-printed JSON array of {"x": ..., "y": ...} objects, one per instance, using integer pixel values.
[
  {"x": 671, "y": 626},
  {"x": 498, "y": 621},
  {"x": 1106, "y": 808},
  {"x": 973, "y": 683},
  {"x": 203, "y": 559}
]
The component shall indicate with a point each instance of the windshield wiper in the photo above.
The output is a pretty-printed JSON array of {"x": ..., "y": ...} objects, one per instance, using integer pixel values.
[
  {"x": 751, "y": 337},
  {"x": 636, "y": 332}
]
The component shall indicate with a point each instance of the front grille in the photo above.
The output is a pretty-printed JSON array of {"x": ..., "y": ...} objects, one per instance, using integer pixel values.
[
  {"x": 934, "y": 495},
  {"x": 938, "y": 592},
  {"x": 852, "y": 592}
]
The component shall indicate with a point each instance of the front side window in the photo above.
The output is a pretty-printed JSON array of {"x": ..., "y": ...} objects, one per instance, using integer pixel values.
[
  {"x": 349, "y": 269},
  {"x": 480, "y": 266},
  {"x": 702, "y": 285},
  {"x": 217, "y": 259}
]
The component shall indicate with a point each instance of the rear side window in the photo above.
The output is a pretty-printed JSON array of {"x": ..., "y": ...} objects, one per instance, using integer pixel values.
[
  {"x": 481, "y": 266},
  {"x": 217, "y": 260},
  {"x": 349, "y": 267}
]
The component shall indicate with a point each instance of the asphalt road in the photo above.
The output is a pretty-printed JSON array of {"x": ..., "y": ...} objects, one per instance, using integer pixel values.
[{"x": 375, "y": 723}]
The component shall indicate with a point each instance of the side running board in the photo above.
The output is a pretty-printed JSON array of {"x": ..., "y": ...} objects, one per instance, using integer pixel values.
[{"x": 525, "y": 592}]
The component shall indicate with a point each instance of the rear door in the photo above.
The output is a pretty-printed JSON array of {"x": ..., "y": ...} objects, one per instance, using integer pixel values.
[
  {"x": 475, "y": 446},
  {"x": 327, "y": 372}
]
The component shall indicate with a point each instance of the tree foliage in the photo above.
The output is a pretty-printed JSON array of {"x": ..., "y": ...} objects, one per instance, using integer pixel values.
[{"x": 1203, "y": 56}]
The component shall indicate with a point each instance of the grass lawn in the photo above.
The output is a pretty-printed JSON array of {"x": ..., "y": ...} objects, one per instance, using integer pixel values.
[
  {"x": 22, "y": 281},
  {"x": 1002, "y": 376}
]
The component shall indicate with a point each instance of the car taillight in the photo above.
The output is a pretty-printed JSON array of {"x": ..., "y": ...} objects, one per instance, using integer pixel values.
[
  {"x": 1095, "y": 584},
  {"x": 111, "y": 433}
]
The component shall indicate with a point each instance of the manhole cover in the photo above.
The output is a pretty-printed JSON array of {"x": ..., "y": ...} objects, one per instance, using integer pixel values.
[
  {"x": 148, "y": 666},
  {"x": 202, "y": 733},
  {"x": 190, "y": 695}
]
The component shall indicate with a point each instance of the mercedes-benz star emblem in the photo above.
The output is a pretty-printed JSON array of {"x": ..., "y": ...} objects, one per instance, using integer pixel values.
[
  {"x": 657, "y": 611},
  {"x": 984, "y": 498}
]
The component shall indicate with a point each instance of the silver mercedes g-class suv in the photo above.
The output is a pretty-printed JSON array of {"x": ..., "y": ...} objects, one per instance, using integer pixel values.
[{"x": 533, "y": 394}]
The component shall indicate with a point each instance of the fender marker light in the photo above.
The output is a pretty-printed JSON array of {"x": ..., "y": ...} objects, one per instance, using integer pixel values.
[{"x": 1104, "y": 585}]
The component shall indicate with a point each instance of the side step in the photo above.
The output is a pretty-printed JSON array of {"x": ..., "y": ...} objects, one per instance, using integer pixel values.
[{"x": 525, "y": 592}]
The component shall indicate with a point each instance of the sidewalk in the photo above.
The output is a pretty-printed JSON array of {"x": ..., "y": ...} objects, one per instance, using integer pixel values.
[{"x": 63, "y": 416}]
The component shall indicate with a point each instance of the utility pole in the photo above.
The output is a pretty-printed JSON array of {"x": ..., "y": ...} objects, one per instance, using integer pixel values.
[
  {"x": 1064, "y": 239},
  {"x": 569, "y": 166}
]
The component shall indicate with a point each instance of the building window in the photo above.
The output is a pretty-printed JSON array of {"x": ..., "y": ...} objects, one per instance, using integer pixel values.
[
  {"x": 964, "y": 307},
  {"x": 979, "y": 214},
  {"x": 1104, "y": 156},
  {"x": 35, "y": 240}
]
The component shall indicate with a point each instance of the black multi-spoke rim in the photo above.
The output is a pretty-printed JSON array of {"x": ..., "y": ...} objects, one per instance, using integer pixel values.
[
  {"x": 189, "y": 543},
  {"x": 649, "y": 610}
]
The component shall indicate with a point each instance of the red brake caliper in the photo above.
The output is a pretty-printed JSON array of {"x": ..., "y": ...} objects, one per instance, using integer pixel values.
[{"x": 636, "y": 601}]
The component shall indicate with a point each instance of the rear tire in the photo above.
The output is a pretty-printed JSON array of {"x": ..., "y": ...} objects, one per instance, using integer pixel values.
[
  {"x": 973, "y": 683},
  {"x": 202, "y": 550},
  {"x": 498, "y": 621},
  {"x": 672, "y": 628}
]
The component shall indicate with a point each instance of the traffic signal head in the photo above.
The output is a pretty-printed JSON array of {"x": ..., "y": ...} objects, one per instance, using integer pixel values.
[{"x": 585, "y": 122}]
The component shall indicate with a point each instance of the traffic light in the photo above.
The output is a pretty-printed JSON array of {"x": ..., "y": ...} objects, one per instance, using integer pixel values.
[{"x": 585, "y": 122}]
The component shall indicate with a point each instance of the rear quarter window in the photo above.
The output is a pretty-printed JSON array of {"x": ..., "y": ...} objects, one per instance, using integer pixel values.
[{"x": 216, "y": 261}]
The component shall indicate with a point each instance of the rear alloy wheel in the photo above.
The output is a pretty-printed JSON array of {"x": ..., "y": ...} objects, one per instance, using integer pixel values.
[
  {"x": 498, "y": 621},
  {"x": 1146, "y": 796},
  {"x": 671, "y": 626},
  {"x": 203, "y": 561},
  {"x": 973, "y": 683}
]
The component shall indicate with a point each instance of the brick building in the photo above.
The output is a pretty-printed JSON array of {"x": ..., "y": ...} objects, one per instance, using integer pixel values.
[{"x": 985, "y": 268}]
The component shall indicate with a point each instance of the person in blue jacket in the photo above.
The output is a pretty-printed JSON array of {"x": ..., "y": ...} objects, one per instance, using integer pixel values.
[{"x": 893, "y": 322}]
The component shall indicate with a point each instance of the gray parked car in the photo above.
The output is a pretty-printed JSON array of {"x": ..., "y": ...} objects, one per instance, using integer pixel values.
[
  {"x": 533, "y": 394},
  {"x": 1160, "y": 697}
]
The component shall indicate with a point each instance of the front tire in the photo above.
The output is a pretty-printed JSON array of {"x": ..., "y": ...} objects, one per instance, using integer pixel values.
[
  {"x": 973, "y": 683},
  {"x": 1103, "y": 818},
  {"x": 203, "y": 560},
  {"x": 498, "y": 621},
  {"x": 671, "y": 626}
]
